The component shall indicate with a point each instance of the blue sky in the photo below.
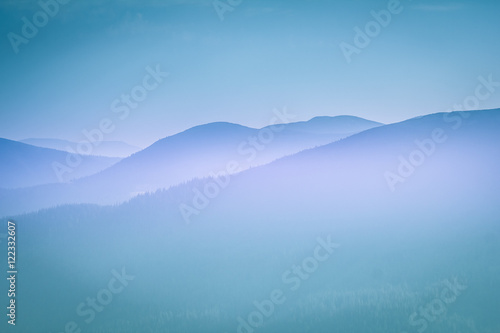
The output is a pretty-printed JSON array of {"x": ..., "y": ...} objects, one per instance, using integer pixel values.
[{"x": 265, "y": 54}]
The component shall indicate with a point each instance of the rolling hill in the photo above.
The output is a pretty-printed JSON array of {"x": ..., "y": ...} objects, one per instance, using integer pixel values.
[
  {"x": 401, "y": 243},
  {"x": 198, "y": 152},
  {"x": 24, "y": 165}
]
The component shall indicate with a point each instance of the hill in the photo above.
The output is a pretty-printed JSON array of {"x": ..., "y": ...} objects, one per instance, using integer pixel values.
[{"x": 25, "y": 165}]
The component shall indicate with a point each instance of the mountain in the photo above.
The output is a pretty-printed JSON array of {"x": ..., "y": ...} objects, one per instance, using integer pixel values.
[
  {"x": 24, "y": 165},
  {"x": 365, "y": 234},
  {"x": 207, "y": 149},
  {"x": 340, "y": 125},
  {"x": 105, "y": 148},
  {"x": 198, "y": 152},
  {"x": 442, "y": 164},
  {"x": 437, "y": 163}
]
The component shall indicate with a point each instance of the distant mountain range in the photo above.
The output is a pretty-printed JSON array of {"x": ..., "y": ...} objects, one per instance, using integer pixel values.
[
  {"x": 198, "y": 152},
  {"x": 105, "y": 148},
  {"x": 375, "y": 165},
  {"x": 410, "y": 204},
  {"x": 438, "y": 165},
  {"x": 24, "y": 165}
]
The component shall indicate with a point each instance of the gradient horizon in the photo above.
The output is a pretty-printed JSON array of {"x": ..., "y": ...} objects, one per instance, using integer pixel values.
[{"x": 264, "y": 55}]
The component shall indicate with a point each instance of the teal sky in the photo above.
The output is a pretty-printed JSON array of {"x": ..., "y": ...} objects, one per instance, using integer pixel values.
[{"x": 265, "y": 54}]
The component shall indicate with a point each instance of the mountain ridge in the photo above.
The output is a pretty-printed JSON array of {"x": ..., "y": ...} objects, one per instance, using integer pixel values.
[
  {"x": 194, "y": 153},
  {"x": 27, "y": 165}
]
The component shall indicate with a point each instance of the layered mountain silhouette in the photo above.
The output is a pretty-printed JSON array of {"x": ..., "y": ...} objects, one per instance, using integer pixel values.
[
  {"x": 411, "y": 205},
  {"x": 378, "y": 165},
  {"x": 198, "y": 152},
  {"x": 436, "y": 165},
  {"x": 24, "y": 165}
]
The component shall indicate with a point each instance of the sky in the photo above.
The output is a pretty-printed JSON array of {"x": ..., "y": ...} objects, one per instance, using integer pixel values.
[{"x": 236, "y": 63}]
